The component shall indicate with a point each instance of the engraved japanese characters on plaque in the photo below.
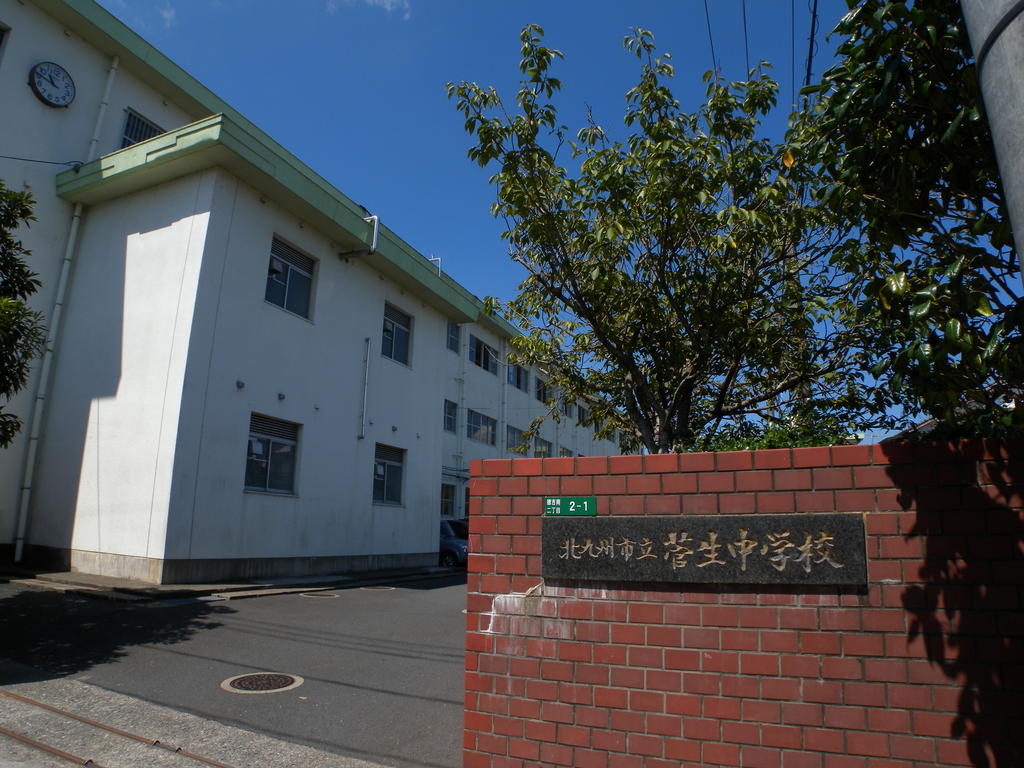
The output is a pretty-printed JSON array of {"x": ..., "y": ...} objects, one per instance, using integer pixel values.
[{"x": 813, "y": 549}]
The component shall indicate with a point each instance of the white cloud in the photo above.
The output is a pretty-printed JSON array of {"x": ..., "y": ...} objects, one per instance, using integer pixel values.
[
  {"x": 402, "y": 7},
  {"x": 391, "y": 6},
  {"x": 169, "y": 16}
]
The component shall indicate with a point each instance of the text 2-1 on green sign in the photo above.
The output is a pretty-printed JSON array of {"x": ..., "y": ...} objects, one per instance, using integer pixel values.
[{"x": 580, "y": 506}]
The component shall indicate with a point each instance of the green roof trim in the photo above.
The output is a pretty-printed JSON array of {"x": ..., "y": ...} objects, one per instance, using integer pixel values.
[
  {"x": 227, "y": 139},
  {"x": 219, "y": 141}
]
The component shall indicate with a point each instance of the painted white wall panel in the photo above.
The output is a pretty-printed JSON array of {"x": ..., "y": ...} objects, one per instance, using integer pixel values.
[{"x": 112, "y": 424}]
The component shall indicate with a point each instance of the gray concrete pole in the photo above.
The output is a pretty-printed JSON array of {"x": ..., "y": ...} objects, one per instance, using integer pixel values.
[{"x": 996, "y": 29}]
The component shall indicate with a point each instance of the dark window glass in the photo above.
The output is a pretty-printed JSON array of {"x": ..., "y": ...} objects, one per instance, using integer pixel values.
[
  {"x": 513, "y": 439},
  {"x": 454, "y": 336},
  {"x": 387, "y": 474},
  {"x": 270, "y": 459},
  {"x": 519, "y": 377},
  {"x": 395, "y": 339},
  {"x": 480, "y": 427},
  {"x": 299, "y": 287},
  {"x": 447, "y": 505},
  {"x": 483, "y": 355},
  {"x": 289, "y": 279}
]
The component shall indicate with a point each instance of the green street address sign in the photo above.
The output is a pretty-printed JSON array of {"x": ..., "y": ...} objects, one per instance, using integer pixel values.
[{"x": 577, "y": 506}]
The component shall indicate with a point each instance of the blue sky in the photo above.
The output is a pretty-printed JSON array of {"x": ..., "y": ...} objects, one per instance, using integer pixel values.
[{"x": 355, "y": 88}]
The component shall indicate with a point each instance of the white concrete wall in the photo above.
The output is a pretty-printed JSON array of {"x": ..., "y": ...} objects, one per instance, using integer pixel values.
[
  {"x": 474, "y": 388},
  {"x": 317, "y": 364},
  {"x": 30, "y": 129},
  {"x": 143, "y": 452},
  {"x": 105, "y": 468}
]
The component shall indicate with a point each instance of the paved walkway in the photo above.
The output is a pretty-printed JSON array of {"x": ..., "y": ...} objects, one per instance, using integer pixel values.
[
  {"x": 235, "y": 747},
  {"x": 204, "y": 736},
  {"x": 113, "y": 588}
]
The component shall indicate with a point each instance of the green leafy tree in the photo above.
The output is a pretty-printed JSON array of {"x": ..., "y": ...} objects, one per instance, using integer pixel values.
[
  {"x": 677, "y": 279},
  {"x": 21, "y": 331},
  {"x": 905, "y": 150}
]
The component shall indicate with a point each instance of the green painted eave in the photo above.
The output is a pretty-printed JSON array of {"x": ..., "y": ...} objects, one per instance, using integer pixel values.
[
  {"x": 220, "y": 141},
  {"x": 108, "y": 34},
  {"x": 226, "y": 138}
]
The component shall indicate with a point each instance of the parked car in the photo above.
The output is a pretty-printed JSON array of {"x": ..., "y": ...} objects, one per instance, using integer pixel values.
[{"x": 454, "y": 542}]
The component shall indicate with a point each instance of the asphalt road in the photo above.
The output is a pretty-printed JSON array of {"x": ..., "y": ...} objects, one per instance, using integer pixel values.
[{"x": 382, "y": 668}]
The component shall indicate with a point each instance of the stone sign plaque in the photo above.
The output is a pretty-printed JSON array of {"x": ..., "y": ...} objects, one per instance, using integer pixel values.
[{"x": 812, "y": 549}]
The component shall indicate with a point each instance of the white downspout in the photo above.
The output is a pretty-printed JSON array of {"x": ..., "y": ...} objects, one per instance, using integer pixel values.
[
  {"x": 39, "y": 407},
  {"x": 460, "y": 421},
  {"x": 375, "y": 220},
  {"x": 503, "y": 416},
  {"x": 366, "y": 386}
]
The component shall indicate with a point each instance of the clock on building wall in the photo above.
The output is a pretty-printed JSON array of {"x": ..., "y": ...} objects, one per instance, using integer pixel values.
[{"x": 52, "y": 84}]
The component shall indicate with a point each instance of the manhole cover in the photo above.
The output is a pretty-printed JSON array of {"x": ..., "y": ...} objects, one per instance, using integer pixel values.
[
  {"x": 377, "y": 587},
  {"x": 261, "y": 682},
  {"x": 318, "y": 594}
]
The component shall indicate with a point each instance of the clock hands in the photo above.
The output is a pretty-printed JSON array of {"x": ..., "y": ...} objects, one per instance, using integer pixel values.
[{"x": 52, "y": 84}]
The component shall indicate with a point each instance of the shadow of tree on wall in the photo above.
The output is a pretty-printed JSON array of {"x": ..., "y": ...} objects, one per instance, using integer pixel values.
[
  {"x": 54, "y": 634},
  {"x": 967, "y": 608}
]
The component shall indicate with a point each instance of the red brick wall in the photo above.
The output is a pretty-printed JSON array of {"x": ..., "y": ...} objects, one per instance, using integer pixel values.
[{"x": 925, "y": 668}]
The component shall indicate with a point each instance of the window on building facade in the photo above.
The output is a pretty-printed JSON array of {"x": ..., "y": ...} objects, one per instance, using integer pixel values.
[
  {"x": 289, "y": 278},
  {"x": 270, "y": 460},
  {"x": 137, "y": 128},
  {"x": 565, "y": 453},
  {"x": 447, "y": 500},
  {"x": 481, "y": 427},
  {"x": 395, "y": 337},
  {"x": 451, "y": 416},
  {"x": 388, "y": 464},
  {"x": 483, "y": 355},
  {"x": 582, "y": 414},
  {"x": 519, "y": 377},
  {"x": 514, "y": 439},
  {"x": 541, "y": 390},
  {"x": 541, "y": 448},
  {"x": 465, "y": 507},
  {"x": 454, "y": 336},
  {"x": 566, "y": 406}
]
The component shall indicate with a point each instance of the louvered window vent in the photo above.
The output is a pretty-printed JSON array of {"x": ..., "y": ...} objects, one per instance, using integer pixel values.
[{"x": 137, "y": 128}]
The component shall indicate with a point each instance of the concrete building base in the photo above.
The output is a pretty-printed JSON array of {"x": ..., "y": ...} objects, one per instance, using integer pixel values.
[{"x": 185, "y": 571}]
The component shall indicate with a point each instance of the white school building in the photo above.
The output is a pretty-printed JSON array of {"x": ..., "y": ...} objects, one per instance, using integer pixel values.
[{"x": 249, "y": 375}]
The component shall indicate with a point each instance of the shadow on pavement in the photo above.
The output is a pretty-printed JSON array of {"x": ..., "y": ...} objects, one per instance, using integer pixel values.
[
  {"x": 454, "y": 578},
  {"x": 59, "y": 634}
]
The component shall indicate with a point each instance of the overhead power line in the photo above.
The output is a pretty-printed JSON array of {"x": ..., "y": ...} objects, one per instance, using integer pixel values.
[
  {"x": 792, "y": 52},
  {"x": 811, "y": 43},
  {"x": 69, "y": 163},
  {"x": 746, "y": 42},
  {"x": 711, "y": 39}
]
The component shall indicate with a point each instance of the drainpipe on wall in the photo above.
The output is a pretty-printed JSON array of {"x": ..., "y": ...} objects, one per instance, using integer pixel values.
[
  {"x": 502, "y": 435},
  {"x": 46, "y": 372},
  {"x": 460, "y": 421},
  {"x": 375, "y": 220},
  {"x": 366, "y": 386}
]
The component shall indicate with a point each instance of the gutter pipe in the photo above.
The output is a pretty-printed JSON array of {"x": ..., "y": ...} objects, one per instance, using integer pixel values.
[
  {"x": 375, "y": 220},
  {"x": 46, "y": 372}
]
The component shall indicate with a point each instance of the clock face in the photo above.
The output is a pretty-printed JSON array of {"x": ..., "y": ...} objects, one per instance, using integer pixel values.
[{"x": 52, "y": 84}]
